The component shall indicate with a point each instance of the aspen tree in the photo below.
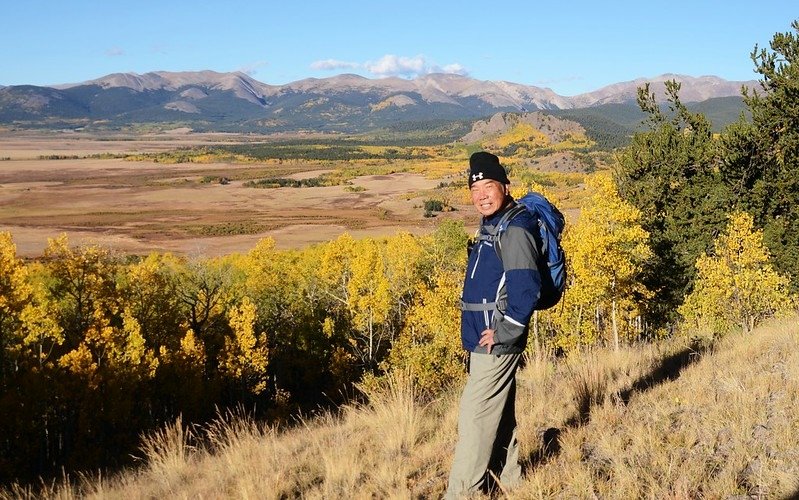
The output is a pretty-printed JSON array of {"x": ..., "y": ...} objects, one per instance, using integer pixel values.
[
  {"x": 737, "y": 286},
  {"x": 335, "y": 267},
  {"x": 606, "y": 248},
  {"x": 15, "y": 292},
  {"x": 404, "y": 255},
  {"x": 204, "y": 290},
  {"x": 429, "y": 344},
  {"x": 369, "y": 298},
  {"x": 82, "y": 281},
  {"x": 149, "y": 291},
  {"x": 245, "y": 356}
]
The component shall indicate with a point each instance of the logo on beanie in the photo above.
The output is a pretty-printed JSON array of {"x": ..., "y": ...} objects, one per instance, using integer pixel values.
[{"x": 484, "y": 165}]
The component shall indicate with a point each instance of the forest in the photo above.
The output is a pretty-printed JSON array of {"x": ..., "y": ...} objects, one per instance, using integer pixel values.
[{"x": 691, "y": 233}]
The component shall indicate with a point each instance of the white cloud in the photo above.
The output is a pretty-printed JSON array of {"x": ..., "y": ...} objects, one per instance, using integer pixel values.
[
  {"x": 454, "y": 68},
  {"x": 251, "y": 69},
  {"x": 333, "y": 64},
  {"x": 392, "y": 65}
]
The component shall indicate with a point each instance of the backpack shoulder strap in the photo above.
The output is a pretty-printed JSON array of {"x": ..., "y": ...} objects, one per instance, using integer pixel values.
[{"x": 502, "y": 225}]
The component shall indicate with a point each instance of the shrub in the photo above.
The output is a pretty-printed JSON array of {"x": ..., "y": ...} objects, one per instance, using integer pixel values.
[{"x": 433, "y": 205}]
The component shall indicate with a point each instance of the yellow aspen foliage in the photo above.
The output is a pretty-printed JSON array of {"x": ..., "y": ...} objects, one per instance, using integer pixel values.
[
  {"x": 134, "y": 352},
  {"x": 429, "y": 344},
  {"x": 118, "y": 351},
  {"x": 403, "y": 258},
  {"x": 40, "y": 329},
  {"x": 245, "y": 355},
  {"x": 304, "y": 266},
  {"x": 192, "y": 350},
  {"x": 736, "y": 286},
  {"x": 369, "y": 297},
  {"x": 187, "y": 362},
  {"x": 524, "y": 133},
  {"x": 27, "y": 331},
  {"x": 606, "y": 248},
  {"x": 334, "y": 268},
  {"x": 149, "y": 293},
  {"x": 274, "y": 281},
  {"x": 80, "y": 361},
  {"x": 15, "y": 290},
  {"x": 263, "y": 267},
  {"x": 519, "y": 189},
  {"x": 83, "y": 280}
]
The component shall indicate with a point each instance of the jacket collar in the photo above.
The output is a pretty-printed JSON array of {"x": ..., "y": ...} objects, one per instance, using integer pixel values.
[{"x": 493, "y": 219}]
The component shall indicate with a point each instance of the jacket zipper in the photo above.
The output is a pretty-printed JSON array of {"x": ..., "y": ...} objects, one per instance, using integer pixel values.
[{"x": 477, "y": 260}]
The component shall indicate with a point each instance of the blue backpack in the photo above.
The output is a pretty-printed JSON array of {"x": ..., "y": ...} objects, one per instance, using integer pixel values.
[{"x": 552, "y": 262}]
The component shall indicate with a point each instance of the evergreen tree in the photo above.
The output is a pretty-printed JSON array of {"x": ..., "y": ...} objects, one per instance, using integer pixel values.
[
  {"x": 669, "y": 173},
  {"x": 761, "y": 159}
]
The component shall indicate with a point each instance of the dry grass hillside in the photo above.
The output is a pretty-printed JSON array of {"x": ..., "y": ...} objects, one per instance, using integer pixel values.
[{"x": 653, "y": 421}]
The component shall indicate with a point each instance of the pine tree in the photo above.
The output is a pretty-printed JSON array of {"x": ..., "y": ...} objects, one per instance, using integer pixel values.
[
  {"x": 669, "y": 173},
  {"x": 761, "y": 159}
]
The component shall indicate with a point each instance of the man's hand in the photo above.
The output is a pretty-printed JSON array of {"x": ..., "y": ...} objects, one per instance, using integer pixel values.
[{"x": 487, "y": 339}]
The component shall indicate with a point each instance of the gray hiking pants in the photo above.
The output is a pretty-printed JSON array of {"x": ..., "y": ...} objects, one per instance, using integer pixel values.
[{"x": 487, "y": 426}]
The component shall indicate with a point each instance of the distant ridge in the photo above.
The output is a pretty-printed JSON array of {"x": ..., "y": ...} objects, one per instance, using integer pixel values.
[{"x": 346, "y": 103}]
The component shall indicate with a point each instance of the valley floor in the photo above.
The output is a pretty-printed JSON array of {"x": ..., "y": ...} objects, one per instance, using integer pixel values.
[{"x": 75, "y": 184}]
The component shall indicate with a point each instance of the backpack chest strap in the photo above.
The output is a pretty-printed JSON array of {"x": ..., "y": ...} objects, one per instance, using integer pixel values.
[{"x": 478, "y": 306}]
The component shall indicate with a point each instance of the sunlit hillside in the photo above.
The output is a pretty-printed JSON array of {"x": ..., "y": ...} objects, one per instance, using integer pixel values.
[{"x": 676, "y": 421}]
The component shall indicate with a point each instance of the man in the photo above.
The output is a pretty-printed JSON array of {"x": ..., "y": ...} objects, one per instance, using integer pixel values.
[{"x": 499, "y": 296}]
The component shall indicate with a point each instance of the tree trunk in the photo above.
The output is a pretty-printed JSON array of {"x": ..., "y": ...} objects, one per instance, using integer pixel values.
[
  {"x": 615, "y": 326},
  {"x": 371, "y": 341}
]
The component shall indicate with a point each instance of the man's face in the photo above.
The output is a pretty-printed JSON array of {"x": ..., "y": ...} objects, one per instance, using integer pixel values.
[{"x": 488, "y": 196}]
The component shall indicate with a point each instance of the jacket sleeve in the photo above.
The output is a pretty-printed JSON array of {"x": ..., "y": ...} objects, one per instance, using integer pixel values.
[{"x": 522, "y": 284}]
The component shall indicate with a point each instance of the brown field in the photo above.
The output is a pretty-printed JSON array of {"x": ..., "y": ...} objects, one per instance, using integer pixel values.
[{"x": 137, "y": 207}]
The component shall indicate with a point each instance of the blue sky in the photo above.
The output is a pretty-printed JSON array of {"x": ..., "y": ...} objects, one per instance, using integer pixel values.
[{"x": 571, "y": 47}]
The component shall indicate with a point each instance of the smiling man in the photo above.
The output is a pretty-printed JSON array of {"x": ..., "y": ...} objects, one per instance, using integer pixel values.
[{"x": 500, "y": 291}]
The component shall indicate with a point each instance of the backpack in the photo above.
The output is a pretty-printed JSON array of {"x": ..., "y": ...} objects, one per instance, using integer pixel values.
[{"x": 552, "y": 261}]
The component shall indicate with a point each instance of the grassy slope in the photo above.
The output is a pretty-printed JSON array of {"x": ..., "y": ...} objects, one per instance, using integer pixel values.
[{"x": 662, "y": 421}]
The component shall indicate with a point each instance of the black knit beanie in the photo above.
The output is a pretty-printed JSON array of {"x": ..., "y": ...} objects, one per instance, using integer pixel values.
[{"x": 483, "y": 165}]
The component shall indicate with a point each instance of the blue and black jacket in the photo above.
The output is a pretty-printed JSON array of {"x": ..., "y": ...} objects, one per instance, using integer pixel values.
[{"x": 501, "y": 293}]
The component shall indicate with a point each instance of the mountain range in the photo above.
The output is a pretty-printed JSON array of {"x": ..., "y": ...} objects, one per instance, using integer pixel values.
[{"x": 347, "y": 103}]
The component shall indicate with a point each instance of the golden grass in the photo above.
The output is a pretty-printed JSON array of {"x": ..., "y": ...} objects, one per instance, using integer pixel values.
[{"x": 653, "y": 421}]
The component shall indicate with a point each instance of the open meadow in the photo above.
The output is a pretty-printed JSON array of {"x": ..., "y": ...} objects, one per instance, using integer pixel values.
[{"x": 88, "y": 187}]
